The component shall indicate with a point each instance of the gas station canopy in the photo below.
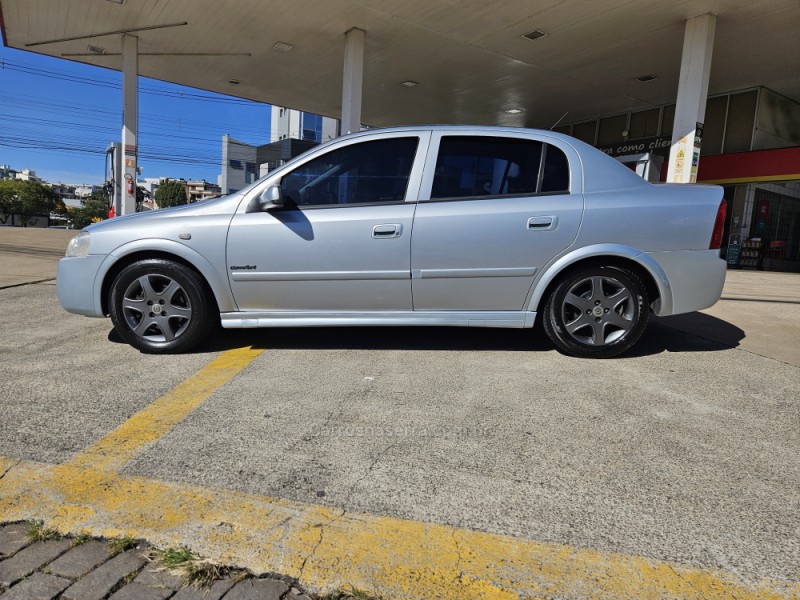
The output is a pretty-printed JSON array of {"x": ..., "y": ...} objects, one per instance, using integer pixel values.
[{"x": 425, "y": 61}]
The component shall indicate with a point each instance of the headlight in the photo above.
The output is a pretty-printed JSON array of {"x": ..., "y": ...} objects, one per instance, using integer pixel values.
[{"x": 79, "y": 245}]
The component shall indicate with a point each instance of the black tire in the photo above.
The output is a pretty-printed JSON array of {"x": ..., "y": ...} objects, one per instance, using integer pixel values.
[
  {"x": 159, "y": 306},
  {"x": 597, "y": 312}
]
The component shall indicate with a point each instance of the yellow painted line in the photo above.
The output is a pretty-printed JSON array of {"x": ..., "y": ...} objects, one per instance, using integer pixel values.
[
  {"x": 326, "y": 547},
  {"x": 760, "y": 178},
  {"x": 149, "y": 425}
]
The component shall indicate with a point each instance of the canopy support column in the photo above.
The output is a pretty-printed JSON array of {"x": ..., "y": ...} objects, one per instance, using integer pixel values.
[
  {"x": 130, "y": 121},
  {"x": 353, "y": 80},
  {"x": 690, "y": 109}
]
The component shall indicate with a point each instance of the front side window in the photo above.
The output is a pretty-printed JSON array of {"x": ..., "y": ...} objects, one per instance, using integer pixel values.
[
  {"x": 479, "y": 166},
  {"x": 361, "y": 173}
]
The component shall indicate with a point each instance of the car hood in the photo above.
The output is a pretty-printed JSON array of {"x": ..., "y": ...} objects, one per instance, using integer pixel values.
[{"x": 221, "y": 205}]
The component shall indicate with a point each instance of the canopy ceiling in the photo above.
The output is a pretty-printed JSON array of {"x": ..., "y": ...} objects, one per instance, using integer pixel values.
[{"x": 469, "y": 57}]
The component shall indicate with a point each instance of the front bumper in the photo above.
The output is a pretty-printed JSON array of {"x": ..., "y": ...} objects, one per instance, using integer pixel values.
[{"x": 76, "y": 284}]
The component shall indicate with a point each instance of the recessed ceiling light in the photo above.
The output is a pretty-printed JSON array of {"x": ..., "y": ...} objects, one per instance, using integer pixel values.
[
  {"x": 646, "y": 78},
  {"x": 96, "y": 49},
  {"x": 410, "y": 83},
  {"x": 514, "y": 111},
  {"x": 535, "y": 34},
  {"x": 282, "y": 47},
  {"x": 234, "y": 81}
]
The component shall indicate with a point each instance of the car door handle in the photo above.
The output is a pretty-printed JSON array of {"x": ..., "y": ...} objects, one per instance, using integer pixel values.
[
  {"x": 390, "y": 230},
  {"x": 542, "y": 223}
]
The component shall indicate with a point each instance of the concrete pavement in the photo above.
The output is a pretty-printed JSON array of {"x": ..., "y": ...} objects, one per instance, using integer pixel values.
[
  {"x": 30, "y": 253},
  {"x": 535, "y": 473}
]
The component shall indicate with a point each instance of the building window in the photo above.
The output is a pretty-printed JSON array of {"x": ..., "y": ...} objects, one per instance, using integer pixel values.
[{"x": 311, "y": 127}]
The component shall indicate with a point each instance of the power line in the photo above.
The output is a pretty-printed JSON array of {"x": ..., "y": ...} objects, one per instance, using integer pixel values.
[{"x": 38, "y": 71}]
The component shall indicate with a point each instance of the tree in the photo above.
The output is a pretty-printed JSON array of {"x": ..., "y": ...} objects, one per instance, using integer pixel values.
[
  {"x": 27, "y": 199},
  {"x": 141, "y": 194},
  {"x": 92, "y": 209},
  {"x": 171, "y": 193},
  {"x": 9, "y": 203}
]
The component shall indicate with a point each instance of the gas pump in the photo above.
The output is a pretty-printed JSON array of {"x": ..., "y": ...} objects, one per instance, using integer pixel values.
[
  {"x": 113, "y": 177},
  {"x": 116, "y": 185},
  {"x": 646, "y": 165}
]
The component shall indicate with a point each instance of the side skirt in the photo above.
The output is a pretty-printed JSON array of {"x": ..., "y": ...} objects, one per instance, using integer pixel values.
[{"x": 505, "y": 319}]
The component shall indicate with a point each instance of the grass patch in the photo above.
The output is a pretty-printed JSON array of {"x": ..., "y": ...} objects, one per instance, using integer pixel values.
[
  {"x": 81, "y": 538},
  {"x": 130, "y": 577},
  {"x": 192, "y": 569},
  {"x": 351, "y": 593},
  {"x": 122, "y": 544},
  {"x": 37, "y": 532}
]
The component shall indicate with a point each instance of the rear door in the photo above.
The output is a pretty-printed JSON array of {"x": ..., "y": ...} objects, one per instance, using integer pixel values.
[{"x": 494, "y": 209}]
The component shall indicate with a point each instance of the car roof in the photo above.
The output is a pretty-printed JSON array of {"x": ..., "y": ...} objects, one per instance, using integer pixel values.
[
  {"x": 600, "y": 172},
  {"x": 466, "y": 129}
]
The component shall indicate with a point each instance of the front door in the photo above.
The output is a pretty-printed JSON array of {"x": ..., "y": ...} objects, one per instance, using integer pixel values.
[{"x": 342, "y": 242}]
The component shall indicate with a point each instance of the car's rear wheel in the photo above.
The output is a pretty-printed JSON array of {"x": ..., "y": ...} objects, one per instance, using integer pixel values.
[
  {"x": 598, "y": 312},
  {"x": 160, "y": 306}
]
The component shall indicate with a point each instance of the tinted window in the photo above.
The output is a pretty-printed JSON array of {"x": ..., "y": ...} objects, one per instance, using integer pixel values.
[
  {"x": 486, "y": 166},
  {"x": 375, "y": 171},
  {"x": 555, "y": 176}
]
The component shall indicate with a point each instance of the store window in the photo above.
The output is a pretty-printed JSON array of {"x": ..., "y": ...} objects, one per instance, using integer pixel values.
[
  {"x": 611, "y": 130},
  {"x": 644, "y": 124},
  {"x": 586, "y": 131},
  {"x": 741, "y": 118},
  {"x": 714, "y": 125},
  {"x": 776, "y": 220},
  {"x": 667, "y": 120},
  {"x": 765, "y": 227}
]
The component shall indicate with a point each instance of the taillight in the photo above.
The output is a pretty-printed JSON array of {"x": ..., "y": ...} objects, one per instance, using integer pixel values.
[{"x": 719, "y": 226}]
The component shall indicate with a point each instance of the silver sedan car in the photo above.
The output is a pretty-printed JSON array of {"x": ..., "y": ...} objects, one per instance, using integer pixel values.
[{"x": 448, "y": 225}]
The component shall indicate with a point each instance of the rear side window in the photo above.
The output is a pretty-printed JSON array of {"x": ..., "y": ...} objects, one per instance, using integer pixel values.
[
  {"x": 486, "y": 166},
  {"x": 363, "y": 173},
  {"x": 480, "y": 166}
]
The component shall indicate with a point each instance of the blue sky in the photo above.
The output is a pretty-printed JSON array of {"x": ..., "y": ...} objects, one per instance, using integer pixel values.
[{"x": 57, "y": 117}]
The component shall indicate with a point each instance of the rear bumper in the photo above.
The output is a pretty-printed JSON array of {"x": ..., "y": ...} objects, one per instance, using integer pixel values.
[
  {"x": 695, "y": 277},
  {"x": 75, "y": 284}
]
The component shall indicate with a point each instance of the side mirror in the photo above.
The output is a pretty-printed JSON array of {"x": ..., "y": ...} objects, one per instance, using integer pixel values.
[{"x": 270, "y": 198}]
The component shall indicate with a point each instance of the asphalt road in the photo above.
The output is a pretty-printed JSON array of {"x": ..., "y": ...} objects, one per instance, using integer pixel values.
[{"x": 686, "y": 450}]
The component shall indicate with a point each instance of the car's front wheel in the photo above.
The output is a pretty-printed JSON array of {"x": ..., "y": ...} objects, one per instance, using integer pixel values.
[
  {"x": 598, "y": 312},
  {"x": 160, "y": 306}
]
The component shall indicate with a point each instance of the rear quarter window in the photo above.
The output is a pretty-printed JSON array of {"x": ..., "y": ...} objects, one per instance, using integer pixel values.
[{"x": 555, "y": 171}]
